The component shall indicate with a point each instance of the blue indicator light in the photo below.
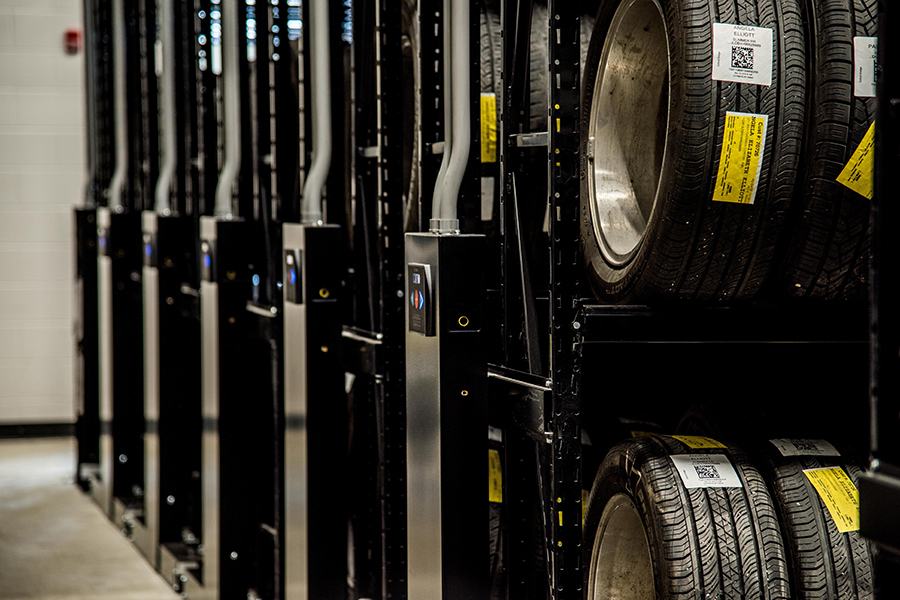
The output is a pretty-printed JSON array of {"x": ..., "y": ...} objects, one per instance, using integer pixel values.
[
  {"x": 148, "y": 249},
  {"x": 103, "y": 241},
  {"x": 256, "y": 280},
  {"x": 206, "y": 260},
  {"x": 293, "y": 275}
]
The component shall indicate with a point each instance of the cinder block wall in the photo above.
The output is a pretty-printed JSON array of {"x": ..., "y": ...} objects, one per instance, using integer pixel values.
[{"x": 42, "y": 174}]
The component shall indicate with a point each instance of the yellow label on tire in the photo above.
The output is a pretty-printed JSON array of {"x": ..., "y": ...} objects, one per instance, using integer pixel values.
[
  {"x": 698, "y": 442},
  {"x": 740, "y": 164},
  {"x": 495, "y": 477},
  {"x": 858, "y": 175},
  {"x": 635, "y": 434},
  {"x": 488, "y": 128},
  {"x": 839, "y": 495}
]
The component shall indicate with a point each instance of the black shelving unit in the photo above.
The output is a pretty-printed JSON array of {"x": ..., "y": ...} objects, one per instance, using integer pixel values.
[
  {"x": 374, "y": 344},
  {"x": 549, "y": 387},
  {"x": 519, "y": 346},
  {"x": 879, "y": 490},
  {"x": 100, "y": 159}
]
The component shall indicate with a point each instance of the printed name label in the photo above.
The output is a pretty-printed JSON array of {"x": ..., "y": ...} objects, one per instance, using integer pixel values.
[
  {"x": 742, "y": 53},
  {"x": 495, "y": 477},
  {"x": 698, "y": 442},
  {"x": 839, "y": 496},
  {"x": 488, "y": 128},
  {"x": 793, "y": 447},
  {"x": 859, "y": 173},
  {"x": 865, "y": 55},
  {"x": 740, "y": 165},
  {"x": 706, "y": 471}
]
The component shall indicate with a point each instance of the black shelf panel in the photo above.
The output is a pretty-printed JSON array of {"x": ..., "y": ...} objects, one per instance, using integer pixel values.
[{"x": 643, "y": 324}]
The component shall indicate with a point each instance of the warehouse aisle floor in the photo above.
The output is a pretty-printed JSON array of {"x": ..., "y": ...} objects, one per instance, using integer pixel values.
[{"x": 54, "y": 542}]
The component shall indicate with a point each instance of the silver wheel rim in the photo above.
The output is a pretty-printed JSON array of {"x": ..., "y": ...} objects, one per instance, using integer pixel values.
[
  {"x": 621, "y": 567},
  {"x": 628, "y": 125}
]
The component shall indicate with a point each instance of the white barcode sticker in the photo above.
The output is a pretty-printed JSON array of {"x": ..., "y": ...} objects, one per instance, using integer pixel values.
[
  {"x": 794, "y": 447},
  {"x": 706, "y": 471},
  {"x": 865, "y": 54},
  {"x": 742, "y": 53}
]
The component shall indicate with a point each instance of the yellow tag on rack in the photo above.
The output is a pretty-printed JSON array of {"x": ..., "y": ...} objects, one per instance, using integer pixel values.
[
  {"x": 495, "y": 477},
  {"x": 839, "y": 495},
  {"x": 740, "y": 164},
  {"x": 488, "y": 128},
  {"x": 858, "y": 175},
  {"x": 697, "y": 442}
]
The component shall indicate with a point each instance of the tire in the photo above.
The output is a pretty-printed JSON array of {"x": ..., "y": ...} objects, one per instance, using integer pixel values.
[
  {"x": 823, "y": 562},
  {"x": 491, "y": 52},
  {"x": 827, "y": 257},
  {"x": 496, "y": 516},
  {"x": 738, "y": 421},
  {"x": 668, "y": 239},
  {"x": 677, "y": 543}
]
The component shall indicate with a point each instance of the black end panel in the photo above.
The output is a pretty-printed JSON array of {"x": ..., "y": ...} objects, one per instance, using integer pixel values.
[
  {"x": 125, "y": 240},
  {"x": 87, "y": 426}
]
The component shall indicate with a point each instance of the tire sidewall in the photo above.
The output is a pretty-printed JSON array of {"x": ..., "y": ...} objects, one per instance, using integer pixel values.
[
  {"x": 618, "y": 283},
  {"x": 624, "y": 477}
]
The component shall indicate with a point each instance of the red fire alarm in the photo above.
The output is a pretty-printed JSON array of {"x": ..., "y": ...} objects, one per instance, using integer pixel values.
[{"x": 73, "y": 41}]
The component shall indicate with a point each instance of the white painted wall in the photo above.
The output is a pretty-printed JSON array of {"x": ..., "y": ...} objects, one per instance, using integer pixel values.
[{"x": 42, "y": 155}]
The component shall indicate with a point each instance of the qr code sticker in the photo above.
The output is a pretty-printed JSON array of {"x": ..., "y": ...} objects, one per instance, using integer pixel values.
[
  {"x": 741, "y": 58},
  {"x": 707, "y": 471}
]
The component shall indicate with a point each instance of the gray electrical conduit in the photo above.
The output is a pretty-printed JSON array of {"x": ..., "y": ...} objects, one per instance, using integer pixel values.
[
  {"x": 167, "y": 107},
  {"x": 458, "y": 130},
  {"x": 121, "y": 136},
  {"x": 311, "y": 207},
  {"x": 436, "y": 201},
  {"x": 231, "y": 25}
]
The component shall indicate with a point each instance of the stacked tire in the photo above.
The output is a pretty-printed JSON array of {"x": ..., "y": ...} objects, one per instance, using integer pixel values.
[
  {"x": 654, "y": 532},
  {"x": 673, "y": 517},
  {"x": 826, "y": 555},
  {"x": 709, "y": 174}
]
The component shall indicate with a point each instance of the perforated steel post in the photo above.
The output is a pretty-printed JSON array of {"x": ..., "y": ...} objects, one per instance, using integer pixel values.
[{"x": 565, "y": 355}]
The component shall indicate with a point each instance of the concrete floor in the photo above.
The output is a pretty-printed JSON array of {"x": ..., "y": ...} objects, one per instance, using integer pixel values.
[{"x": 54, "y": 542}]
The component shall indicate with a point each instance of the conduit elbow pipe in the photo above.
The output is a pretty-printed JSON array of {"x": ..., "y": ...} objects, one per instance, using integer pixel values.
[
  {"x": 117, "y": 182},
  {"x": 437, "y": 200},
  {"x": 459, "y": 126},
  {"x": 311, "y": 206},
  {"x": 232, "y": 106},
  {"x": 167, "y": 108}
]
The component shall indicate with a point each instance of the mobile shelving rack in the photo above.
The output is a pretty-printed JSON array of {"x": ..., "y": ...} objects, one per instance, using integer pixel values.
[
  {"x": 539, "y": 390},
  {"x": 100, "y": 158},
  {"x": 119, "y": 488},
  {"x": 188, "y": 134},
  {"x": 321, "y": 385},
  {"x": 879, "y": 488}
]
